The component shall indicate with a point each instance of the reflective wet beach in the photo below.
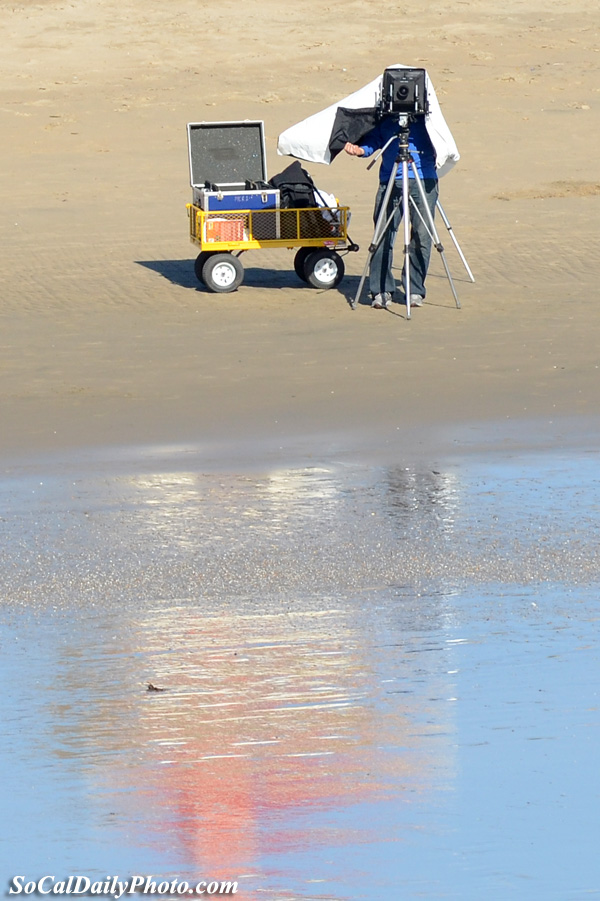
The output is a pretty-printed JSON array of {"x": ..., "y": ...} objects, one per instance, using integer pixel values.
[{"x": 377, "y": 682}]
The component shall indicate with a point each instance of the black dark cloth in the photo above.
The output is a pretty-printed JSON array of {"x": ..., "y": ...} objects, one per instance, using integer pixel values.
[{"x": 350, "y": 125}]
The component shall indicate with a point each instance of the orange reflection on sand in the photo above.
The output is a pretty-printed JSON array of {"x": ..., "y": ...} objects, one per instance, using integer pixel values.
[{"x": 251, "y": 733}]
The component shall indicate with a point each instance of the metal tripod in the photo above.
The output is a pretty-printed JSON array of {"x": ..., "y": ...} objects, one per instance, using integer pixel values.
[{"x": 404, "y": 159}]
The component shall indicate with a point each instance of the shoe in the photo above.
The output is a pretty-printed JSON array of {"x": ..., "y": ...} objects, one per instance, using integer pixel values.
[
  {"x": 416, "y": 300},
  {"x": 382, "y": 301}
]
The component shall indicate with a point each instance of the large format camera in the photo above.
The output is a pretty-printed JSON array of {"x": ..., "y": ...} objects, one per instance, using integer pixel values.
[{"x": 404, "y": 91}]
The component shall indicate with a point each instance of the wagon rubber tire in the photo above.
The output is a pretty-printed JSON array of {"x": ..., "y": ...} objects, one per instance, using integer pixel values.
[
  {"x": 222, "y": 273},
  {"x": 324, "y": 269},
  {"x": 300, "y": 261},
  {"x": 199, "y": 264}
]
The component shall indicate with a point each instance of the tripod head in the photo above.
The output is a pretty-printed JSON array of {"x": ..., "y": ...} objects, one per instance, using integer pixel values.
[
  {"x": 401, "y": 135},
  {"x": 404, "y": 120}
]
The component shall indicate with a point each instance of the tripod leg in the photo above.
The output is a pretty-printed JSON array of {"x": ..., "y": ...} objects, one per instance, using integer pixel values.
[
  {"x": 451, "y": 232},
  {"x": 361, "y": 284},
  {"x": 436, "y": 238},
  {"x": 456, "y": 244},
  {"x": 372, "y": 248},
  {"x": 407, "y": 235},
  {"x": 381, "y": 227}
]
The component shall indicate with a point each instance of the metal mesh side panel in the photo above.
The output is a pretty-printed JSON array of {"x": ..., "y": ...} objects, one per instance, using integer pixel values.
[
  {"x": 298, "y": 225},
  {"x": 193, "y": 223},
  {"x": 290, "y": 225},
  {"x": 265, "y": 225}
]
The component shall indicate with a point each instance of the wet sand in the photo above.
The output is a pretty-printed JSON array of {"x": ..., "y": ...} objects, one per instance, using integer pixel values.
[{"x": 372, "y": 678}]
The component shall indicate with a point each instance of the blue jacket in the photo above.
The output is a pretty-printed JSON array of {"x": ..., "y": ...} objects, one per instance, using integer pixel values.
[{"x": 419, "y": 144}]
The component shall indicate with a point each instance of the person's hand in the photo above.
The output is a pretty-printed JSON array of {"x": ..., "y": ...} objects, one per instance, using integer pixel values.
[{"x": 354, "y": 149}]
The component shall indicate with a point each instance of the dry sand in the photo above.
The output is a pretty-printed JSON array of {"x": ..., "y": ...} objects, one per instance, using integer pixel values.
[{"x": 107, "y": 337}]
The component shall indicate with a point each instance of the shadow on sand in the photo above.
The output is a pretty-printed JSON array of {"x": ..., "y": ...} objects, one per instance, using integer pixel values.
[{"x": 181, "y": 272}]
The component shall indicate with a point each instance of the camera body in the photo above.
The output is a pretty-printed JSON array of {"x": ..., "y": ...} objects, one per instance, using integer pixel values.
[{"x": 404, "y": 91}]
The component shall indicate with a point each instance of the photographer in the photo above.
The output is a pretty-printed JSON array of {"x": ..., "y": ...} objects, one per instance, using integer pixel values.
[{"x": 382, "y": 283}]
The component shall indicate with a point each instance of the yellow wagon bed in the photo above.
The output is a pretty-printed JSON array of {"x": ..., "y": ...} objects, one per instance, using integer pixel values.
[{"x": 320, "y": 233}]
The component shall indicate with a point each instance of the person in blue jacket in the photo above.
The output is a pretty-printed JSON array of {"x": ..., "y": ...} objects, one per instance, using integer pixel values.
[{"x": 382, "y": 283}]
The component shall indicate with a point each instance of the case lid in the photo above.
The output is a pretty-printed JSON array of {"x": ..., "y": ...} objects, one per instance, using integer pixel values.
[{"x": 226, "y": 153}]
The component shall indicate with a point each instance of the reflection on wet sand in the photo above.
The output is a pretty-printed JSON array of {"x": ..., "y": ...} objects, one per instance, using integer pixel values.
[
  {"x": 318, "y": 636},
  {"x": 298, "y": 531},
  {"x": 266, "y": 720},
  {"x": 423, "y": 499}
]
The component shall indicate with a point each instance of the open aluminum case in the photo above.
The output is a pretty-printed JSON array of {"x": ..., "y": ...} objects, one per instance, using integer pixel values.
[{"x": 228, "y": 168}]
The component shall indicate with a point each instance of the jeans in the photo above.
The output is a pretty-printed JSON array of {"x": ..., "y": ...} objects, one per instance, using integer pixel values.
[{"x": 381, "y": 278}]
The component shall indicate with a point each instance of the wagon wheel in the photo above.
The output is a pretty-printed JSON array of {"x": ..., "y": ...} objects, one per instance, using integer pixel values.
[
  {"x": 199, "y": 263},
  {"x": 324, "y": 269},
  {"x": 300, "y": 261},
  {"x": 222, "y": 273}
]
